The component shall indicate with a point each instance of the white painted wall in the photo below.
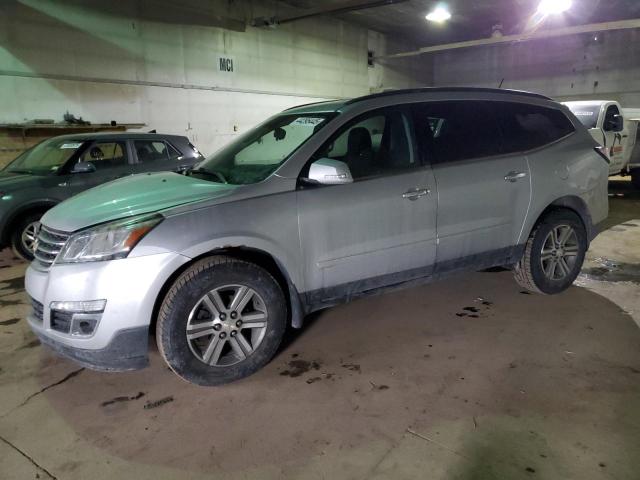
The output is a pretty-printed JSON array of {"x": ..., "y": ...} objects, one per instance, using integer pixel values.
[
  {"x": 116, "y": 61},
  {"x": 566, "y": 68}
]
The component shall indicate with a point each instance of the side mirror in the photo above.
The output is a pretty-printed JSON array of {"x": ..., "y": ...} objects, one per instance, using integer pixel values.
[
  {"x": 329, "y": 172},
  {"x": 83, "y": 167},
  {"x": 616, "y": 124}
]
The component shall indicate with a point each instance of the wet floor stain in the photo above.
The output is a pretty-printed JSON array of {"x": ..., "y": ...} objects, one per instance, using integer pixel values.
[
  {"x": 9, "y": 303},
  {"x": 158, "y": 403},
  {"x": 11, "y": 321},
  {"x": 12, "y": 284},
  {"x": 353, "y": 367},
  {"x": 324, "y": 376},
  {"x": 299, "y": 367},
  {"x": 31, "y": 344},
  {"x": 379, "y": 387},
  {"x": 608, "y": 270},
  {"x": 122, "y": 399},
  {"x": 476, "y": 312}
]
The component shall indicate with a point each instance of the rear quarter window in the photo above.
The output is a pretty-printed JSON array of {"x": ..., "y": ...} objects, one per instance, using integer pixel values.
[{"x": 525, "y": 127}]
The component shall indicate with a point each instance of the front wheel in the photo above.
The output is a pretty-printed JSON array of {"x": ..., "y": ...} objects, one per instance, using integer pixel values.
[
  {"x": 23, "y": 236},
  {"x": 553, "y": 254},
  {"x": 223, "y": 319}
]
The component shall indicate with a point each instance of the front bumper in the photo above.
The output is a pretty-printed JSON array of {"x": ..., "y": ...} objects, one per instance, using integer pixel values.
[
  {"x": 126, "y": 351},
  {"x": 130, "y": 286}
]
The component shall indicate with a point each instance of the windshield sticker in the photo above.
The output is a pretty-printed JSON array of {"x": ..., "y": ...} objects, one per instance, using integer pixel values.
[
  {"x": 584, "y": 114},
  {"x": 70, "y": 145},
  {"x": 310, "y": 121}
]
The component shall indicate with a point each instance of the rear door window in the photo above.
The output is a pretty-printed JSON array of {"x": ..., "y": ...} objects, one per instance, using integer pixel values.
[
  {"x": 149, "y": 151},
  {"x": 456, "y": 130},
  {"x": 525, "y": 127}
]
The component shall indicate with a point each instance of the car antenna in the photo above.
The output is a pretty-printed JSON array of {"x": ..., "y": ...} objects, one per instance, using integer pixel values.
[{"x": 501, "y": 82}]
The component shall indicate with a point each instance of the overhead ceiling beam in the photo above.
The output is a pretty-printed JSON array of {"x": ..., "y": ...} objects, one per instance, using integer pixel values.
[
  {"x": 345, "y": 7},
  {"x": 524, "y": 37}
]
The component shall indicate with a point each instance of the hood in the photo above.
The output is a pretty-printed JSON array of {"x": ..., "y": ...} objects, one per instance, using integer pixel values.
[
  {"x": 10, "y": 181},
  {"x": 134, "y": 195}
]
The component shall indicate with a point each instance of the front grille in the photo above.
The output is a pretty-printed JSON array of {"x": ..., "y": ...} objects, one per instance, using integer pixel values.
[
  {"x": 49, "y": 245},
  {"x": 38, "y": 309}
]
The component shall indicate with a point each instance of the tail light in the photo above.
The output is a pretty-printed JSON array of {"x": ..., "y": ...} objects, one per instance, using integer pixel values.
[{"x": 602, "y": 151}]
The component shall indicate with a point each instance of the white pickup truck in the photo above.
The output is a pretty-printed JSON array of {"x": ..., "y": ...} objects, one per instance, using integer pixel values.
[{"x": 616, "y": 129}]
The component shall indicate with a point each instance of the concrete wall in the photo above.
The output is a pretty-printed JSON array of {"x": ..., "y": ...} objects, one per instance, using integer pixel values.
[
  {"x": 151, "y": 62},
  {"x": 576, "y": 67}
]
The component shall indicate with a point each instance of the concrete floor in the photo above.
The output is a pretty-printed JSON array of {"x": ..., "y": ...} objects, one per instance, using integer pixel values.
[{"x": 468, "y": 378}]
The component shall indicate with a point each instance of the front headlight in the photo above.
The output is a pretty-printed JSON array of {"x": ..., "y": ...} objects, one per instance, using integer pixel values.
[{"x": 107, "y": 242}]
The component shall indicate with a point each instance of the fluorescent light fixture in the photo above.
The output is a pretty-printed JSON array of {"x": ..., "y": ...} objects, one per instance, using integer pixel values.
[
  {"x": 553, "y": 7},
  {"x": 439, "y": 15}
]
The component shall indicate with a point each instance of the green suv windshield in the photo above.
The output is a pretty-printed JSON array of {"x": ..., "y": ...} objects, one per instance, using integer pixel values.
[
  {"x": 46, "y": 157},
  {"x": 258, "y": 153}
]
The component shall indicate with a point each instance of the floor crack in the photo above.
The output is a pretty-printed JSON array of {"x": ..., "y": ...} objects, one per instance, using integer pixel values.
[
  {"x": 33, "y": 462},
  {"x": 55, "y": 384}
]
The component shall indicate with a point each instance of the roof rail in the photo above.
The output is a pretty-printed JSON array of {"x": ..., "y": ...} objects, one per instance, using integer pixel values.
[
  {"x": 447, "y": 89},
  {"x": 310, "y": 104}
]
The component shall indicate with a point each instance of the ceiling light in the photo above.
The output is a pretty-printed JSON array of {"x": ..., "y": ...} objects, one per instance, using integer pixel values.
[
  {"x": 550, "y": 7},
  {"x": 439, "y": 15}
]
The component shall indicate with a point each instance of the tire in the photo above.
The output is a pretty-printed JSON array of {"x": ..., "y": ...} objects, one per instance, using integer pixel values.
[
  {"x": 23, "y": 228},
  {"x": 635, "y": 177},
  {"x": 201, "y": 300},
  {"x": 538, "y": 274}
]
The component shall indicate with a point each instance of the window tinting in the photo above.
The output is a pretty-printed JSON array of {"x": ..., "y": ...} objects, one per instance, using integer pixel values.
[
  {"x": 525, "y": 126},
  {"x": 456, "y": 130},
  {"x": 376, "y": 144}
]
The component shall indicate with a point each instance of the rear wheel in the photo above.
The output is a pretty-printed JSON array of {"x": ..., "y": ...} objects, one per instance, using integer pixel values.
[
  {"x": 553, "y": 254},
  {"x": 635, "y": 177},
  {"x": 222, "y": 320},
  {"x": 23, "y": 236}
]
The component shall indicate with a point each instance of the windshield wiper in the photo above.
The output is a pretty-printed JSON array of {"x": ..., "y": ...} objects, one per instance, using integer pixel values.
[
  {"x": 211, "y": 173},
  {"x": 17, "y": 170}
]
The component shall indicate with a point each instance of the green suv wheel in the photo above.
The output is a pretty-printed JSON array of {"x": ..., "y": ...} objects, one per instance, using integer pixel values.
[{"x": 23, "y": 236}]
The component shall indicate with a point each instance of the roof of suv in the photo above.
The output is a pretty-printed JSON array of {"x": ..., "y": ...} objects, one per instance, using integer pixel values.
[{"x": 335, "y": 105}]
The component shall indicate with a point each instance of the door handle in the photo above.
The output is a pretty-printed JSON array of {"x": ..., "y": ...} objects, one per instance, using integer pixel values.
[
  {"x": 514, "y": 176},
  {"x": 416, "y": 193}
]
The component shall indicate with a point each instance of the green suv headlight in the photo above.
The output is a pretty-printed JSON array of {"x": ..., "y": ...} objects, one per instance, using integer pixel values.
[{"x": 107, "y": 242}]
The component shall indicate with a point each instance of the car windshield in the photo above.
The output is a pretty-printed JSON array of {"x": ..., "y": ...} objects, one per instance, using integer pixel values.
[
  {"x": 587, "y": 114},
  {"x": 46, "y": 157},
  {"x": 258, "y": 153}
]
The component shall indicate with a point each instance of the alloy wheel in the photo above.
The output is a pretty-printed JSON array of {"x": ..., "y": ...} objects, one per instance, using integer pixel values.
[
  {"x": 227, "y": 325},
  {"x": 559, "y": 252},
  {"x": 28, "y": 236}
]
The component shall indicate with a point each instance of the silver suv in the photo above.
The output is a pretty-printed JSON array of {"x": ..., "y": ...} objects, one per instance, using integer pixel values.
[{"x": 318, "y": 205}]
